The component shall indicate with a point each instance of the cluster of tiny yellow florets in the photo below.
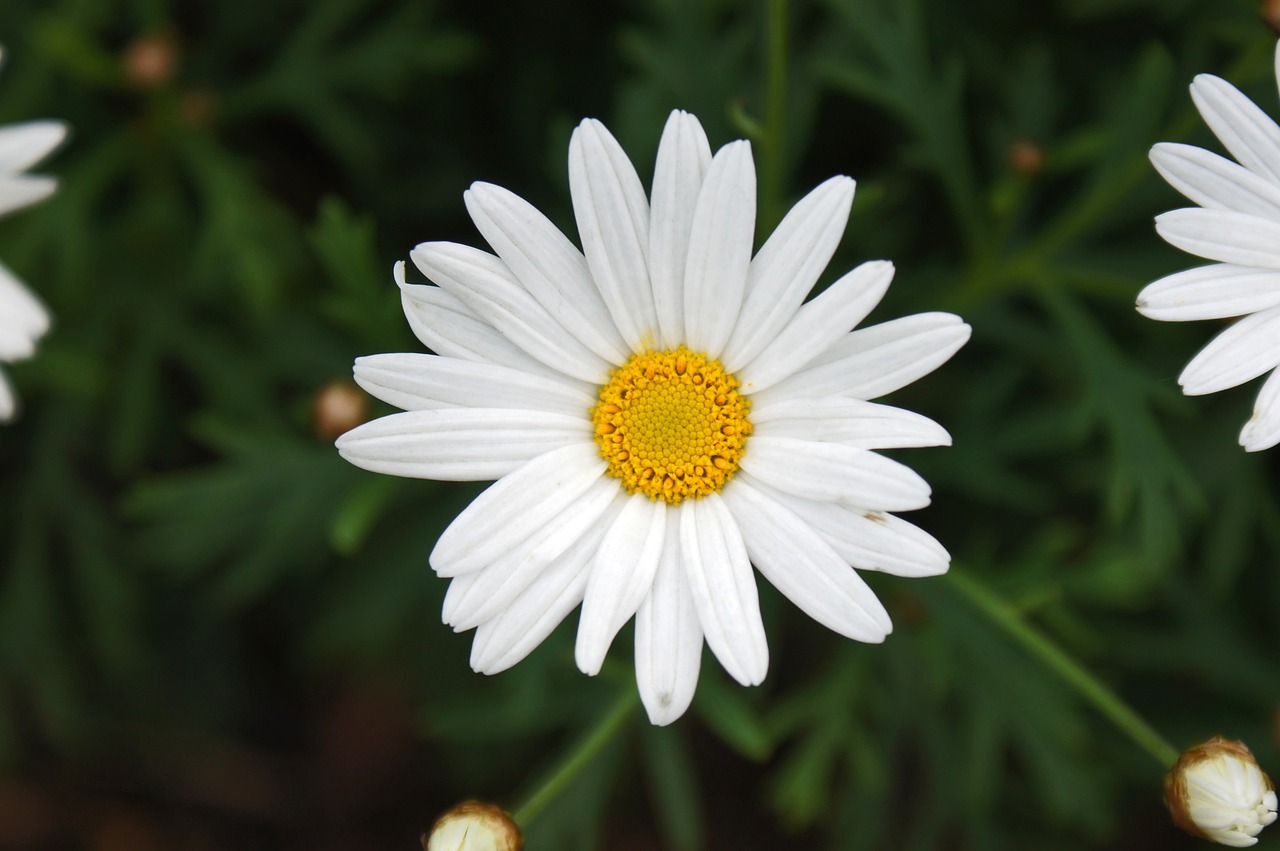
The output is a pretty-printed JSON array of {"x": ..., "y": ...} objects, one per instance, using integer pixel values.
[{"x": 671, "y": 424}]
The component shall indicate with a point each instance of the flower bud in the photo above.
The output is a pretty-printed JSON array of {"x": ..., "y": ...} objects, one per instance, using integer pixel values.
[
  {"x": 1269, "y": 11},
  {"x": 151, "y": 60},
  {"x": 1217, "y": 792},
  {"x": 1026, "y": 158},
  {"x": 473, "y": 826},
  {"x": 337, "y": 408}
]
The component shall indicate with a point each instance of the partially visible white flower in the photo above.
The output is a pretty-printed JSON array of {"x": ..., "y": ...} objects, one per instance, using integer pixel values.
[
  {"x": 1216, "y": 791},
  {"x": 662, "y": 410},
  {"x": 1238, "y": 225},
  {"x": 474, "y": 826},
  {"x": 23, "y": 319}
]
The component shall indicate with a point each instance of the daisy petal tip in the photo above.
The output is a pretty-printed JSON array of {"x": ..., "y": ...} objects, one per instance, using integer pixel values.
[
  {"x": 1255, "y": 439},
  {"x": 664, "y": 709},
  {"x": 752, "y": 672},
  {"x": 881, "y": 269},
  {"x": 1203, "y": 81},
  {"x": 487, "y": 667},
  {"x": 682, "y": 116},
  {"x": 347, "y": 443},
  {"x": 1191, "y": 388},
  {"x": 1164, "y": 151},
  {"x": 589, "y": 658},
  {"x": 587, "y": 128},
  {"x": 737, "y": 148},
  {"x": 480, "y": 192},
  {"x": 422, "y": 255}
]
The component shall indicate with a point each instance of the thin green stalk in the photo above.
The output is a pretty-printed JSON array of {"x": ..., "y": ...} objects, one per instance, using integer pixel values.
[
  {"x": 775, "y": 120},
  {"x": 578, "y": 758},
  {"x": 1086, "y": 684}
]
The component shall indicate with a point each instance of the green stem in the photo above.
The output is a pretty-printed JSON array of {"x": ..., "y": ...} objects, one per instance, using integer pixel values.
[
  {"x": 1086, "y": 684},
  {"x": 578, "y": 758},
  {"x": 775, "y": 114}
]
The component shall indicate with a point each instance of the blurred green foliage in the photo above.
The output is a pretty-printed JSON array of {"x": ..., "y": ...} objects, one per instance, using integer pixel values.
[{"x": 183, "y": 557}]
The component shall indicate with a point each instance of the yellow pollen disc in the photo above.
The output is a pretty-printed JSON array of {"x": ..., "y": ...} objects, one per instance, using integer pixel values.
[{"x": 672, "y": 425}]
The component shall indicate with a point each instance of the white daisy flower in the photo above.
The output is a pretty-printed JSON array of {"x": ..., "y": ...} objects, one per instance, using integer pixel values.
[
  {"x": 661, "y": 411},
  {"x": 23, "y": 319},
  {"x": 1238, "y": 225}
]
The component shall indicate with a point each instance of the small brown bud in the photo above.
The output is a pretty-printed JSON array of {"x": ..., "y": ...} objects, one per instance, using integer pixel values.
[
  {"x": 337, "y": 408},
  {"x": 1026, "y": 158},
  {"x": 474, "y": 826},
  {"x": 151, "y": 60},
  {"x": 1269, "y": 11}
]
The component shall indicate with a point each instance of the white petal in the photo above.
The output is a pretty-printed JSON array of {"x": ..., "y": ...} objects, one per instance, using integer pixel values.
[
  {"x": 1214, "y": 182},
  {"x": 787, "y": 266},
  {"x": 683, "y": 158},
  {"x": 602, "y": 499},
  {"x": 1246, "y": 131},
  {"x": 1210, "y": 292},
  {"x": 851, "y": 422},
  {"x": 1263, "y": 429},
  {"x": 25, "y": 144},
  {"x": 547, "y": 264},
  {"x": 818, "y": 325},
  {"x": 613, "y": 222},
  {"x": 1222, "y": 235},
  {"x": 832, "y": 472},
  {"x": 516, "y": 506},
  {"x": 804, "y": 567},
  {"x": 8, "y": 401},
  {"x": 668, "y": 636},
  {"x": 18, "y": 191},
  {"x": 459, "y": 444},
  {"x": 869, "y": 540},
  {"x": 723, "y": 588},
  {"x": 720, "y": 242},
  {"x": 447, "y": 326},
  {"x": 486, "y": 285},
  {"x": 621, "y": 577},
  {"x": 509, "y": 638},
  {"x": 15, "y": 343},
  {"x": 418, "y": 382},
  {"x": 876, "y": 360},
  {"x": 19, "y": 307},
  {"x": 1247, "y": 349},
  {"x": 522, "y": 626},
  {"x": 482, "y": 595}
]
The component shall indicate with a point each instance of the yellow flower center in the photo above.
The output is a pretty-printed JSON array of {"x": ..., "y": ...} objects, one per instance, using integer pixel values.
[{"x": 672, "y": 425}]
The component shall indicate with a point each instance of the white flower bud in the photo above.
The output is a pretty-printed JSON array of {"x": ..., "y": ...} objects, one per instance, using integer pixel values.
[
  {"x": 1216, "y": 791},
  {"x": 473, "y": 826}
]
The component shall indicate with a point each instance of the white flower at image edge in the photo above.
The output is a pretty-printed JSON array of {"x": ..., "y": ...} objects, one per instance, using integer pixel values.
[
  {"x": 1217, "y": 791},
  {"x": 661, "y": 411},
  {"x": 1238, "y": 225},
  {"x": 23, "y": 319}
]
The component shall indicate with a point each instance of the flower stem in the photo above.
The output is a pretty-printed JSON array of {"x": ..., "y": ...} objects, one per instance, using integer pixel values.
[
  {"x": 775, "y": 113},
  {"x": 1086, "y": 684},
  {"x": 577, "y": 758}
]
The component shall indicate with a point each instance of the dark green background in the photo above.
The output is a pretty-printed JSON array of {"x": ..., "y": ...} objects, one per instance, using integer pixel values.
[{"x": 215, "y": 634}]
